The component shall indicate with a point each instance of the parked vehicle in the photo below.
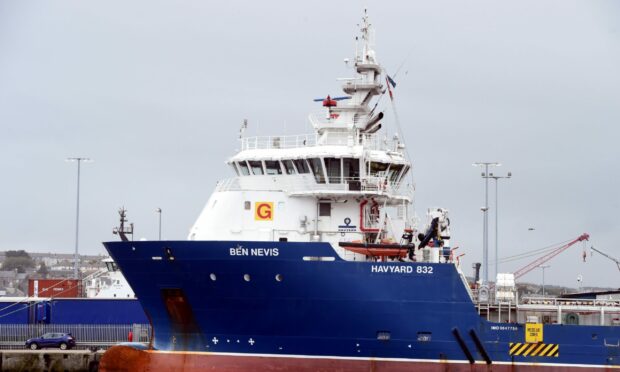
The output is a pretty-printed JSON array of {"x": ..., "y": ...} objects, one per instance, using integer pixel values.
[{"x": 62, "y": 341}]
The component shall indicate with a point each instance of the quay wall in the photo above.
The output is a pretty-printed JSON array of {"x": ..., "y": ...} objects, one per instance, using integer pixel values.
[{"x": 49, "y": 360}]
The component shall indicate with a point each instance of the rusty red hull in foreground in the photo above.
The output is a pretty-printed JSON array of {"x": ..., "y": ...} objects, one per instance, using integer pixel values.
[{"x": 123, "y": 358}]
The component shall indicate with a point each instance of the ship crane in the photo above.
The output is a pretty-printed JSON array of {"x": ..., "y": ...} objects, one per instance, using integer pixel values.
[
  {"x": 608, "y": 256},
  {"x": 539, "y": 261}
]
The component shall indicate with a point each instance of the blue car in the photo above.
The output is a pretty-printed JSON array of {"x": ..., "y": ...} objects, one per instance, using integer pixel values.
[{"x": 62, "y": 341}]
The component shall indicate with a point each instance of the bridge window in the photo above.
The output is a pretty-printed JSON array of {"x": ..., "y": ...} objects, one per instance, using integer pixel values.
[
  {"x": 111, "y": 266},
  {"x": 273, "y": 167},
  {"x": 243, "y": 167},
  {"x": 404, "y": 172},
  {"x": 302, "y": 166},
  {"x": 234, "y": 167},
  {"x": 395, "y": 172},
  {"x": 317, "y": 170},
  {"x": 333, "y": 167},
  {"x": 350, "y": 168},
  {"x": 377, "y": 169},
  {"x": 288, "y": 166},
  {"x": 257, "y": 167}
]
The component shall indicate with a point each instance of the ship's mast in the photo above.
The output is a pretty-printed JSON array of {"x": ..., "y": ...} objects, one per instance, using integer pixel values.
[
  {"x": 366, "y": 36},
  {"x": 355, "y": 114}
]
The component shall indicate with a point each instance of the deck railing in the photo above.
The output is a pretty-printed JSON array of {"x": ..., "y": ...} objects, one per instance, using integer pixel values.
[
  {"x": 554, "y": 301},
  {"x": 330, "y": 138},
  {"x": 278, "y": 142},
  {"x": 299, "y": 184}
]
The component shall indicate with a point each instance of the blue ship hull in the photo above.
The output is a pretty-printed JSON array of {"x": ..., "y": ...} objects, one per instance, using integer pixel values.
[{"x": 300, "y": 299}]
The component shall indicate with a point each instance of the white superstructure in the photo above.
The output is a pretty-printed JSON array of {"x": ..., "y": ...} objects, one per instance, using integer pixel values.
[
  {"x": 110, "y": 284},
  {"x": 346, "y": 182}
]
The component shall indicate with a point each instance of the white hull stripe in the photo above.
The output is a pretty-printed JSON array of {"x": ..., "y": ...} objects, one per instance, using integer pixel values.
[{"x": 399, "y": 360}]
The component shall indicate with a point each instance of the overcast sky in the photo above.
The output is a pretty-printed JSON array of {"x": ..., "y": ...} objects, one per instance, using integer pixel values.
[{"x": 155, "y": 91}]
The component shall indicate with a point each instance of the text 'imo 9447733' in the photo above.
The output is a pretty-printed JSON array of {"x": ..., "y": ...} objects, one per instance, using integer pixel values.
[{"x": 308, "y": 258}]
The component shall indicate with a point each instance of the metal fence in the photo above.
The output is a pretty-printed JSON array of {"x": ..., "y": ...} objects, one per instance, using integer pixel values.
[
  {"x": 86, "y": 335},
  {"x": 371, "y": 141}
]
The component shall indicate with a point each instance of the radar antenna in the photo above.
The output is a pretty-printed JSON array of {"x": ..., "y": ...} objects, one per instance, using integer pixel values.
[{"x": 123, "y": 231}]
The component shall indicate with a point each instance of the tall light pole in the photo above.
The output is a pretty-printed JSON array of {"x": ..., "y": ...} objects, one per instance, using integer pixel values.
[
  {"x": 485, "y": 225},
  {"x": 496, "y": 178},
  {"x": 543, "y": 267},
  {"x": 158, "y": 210},
  {"x": 484, "y": 256},
  {"x": 79, "y": 161}
]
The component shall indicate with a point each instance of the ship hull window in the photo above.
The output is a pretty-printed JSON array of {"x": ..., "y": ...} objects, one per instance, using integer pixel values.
[
  {"x": 273, "y": 167},
  {"x": 288, "y": 166},
  {"x": 302, "y": 166},
  {"x": 333, "y": 168},
  {"x": 243, "y": 167},
  {"x": 317, "y": 170},
  {"x": 257, "y": 167}
]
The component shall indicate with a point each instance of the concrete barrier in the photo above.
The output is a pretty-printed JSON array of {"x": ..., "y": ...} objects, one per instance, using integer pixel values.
[{"x": 49, "y": 360}]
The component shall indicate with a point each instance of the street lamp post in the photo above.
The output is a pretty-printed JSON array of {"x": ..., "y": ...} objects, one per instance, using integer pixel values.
[
  {"x": 485, "y": 225},
  {"x": 158, "y": 210},
  {"x": 484, "y": 256},
  {"x": 543, "y": 267},
  {"x": 79, "y": 161},
  {"x": 496, "y": 178}
]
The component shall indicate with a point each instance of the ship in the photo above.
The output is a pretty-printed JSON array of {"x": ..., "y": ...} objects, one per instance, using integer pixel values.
[
  {"x": 309, "y": 258},
  {"x": 108, "y": 283}
]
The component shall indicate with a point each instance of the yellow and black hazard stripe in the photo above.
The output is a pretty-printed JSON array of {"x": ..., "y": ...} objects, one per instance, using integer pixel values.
[{"x": 532, "y": 350}]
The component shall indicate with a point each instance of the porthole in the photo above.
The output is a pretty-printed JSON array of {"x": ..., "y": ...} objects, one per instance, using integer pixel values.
[
  {"x": 246, "y": 277},
  {"x": 279, "y": 277},
  {"x": 213, "y": 276}
]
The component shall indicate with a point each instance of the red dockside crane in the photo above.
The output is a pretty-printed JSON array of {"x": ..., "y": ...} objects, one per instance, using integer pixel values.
[{"x": 534, "y": 264}]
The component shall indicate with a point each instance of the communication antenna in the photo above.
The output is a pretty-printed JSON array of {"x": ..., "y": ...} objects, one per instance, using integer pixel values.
[
  {"x": 244, "y": 126},
  {"x": 123, "y": 230}
]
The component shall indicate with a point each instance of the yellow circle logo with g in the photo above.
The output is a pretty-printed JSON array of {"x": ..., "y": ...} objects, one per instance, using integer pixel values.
[{"x": 263, "y": 211}]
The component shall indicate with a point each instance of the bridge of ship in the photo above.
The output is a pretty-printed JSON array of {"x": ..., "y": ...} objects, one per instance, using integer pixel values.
[{"x": 338, "y": 163}]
